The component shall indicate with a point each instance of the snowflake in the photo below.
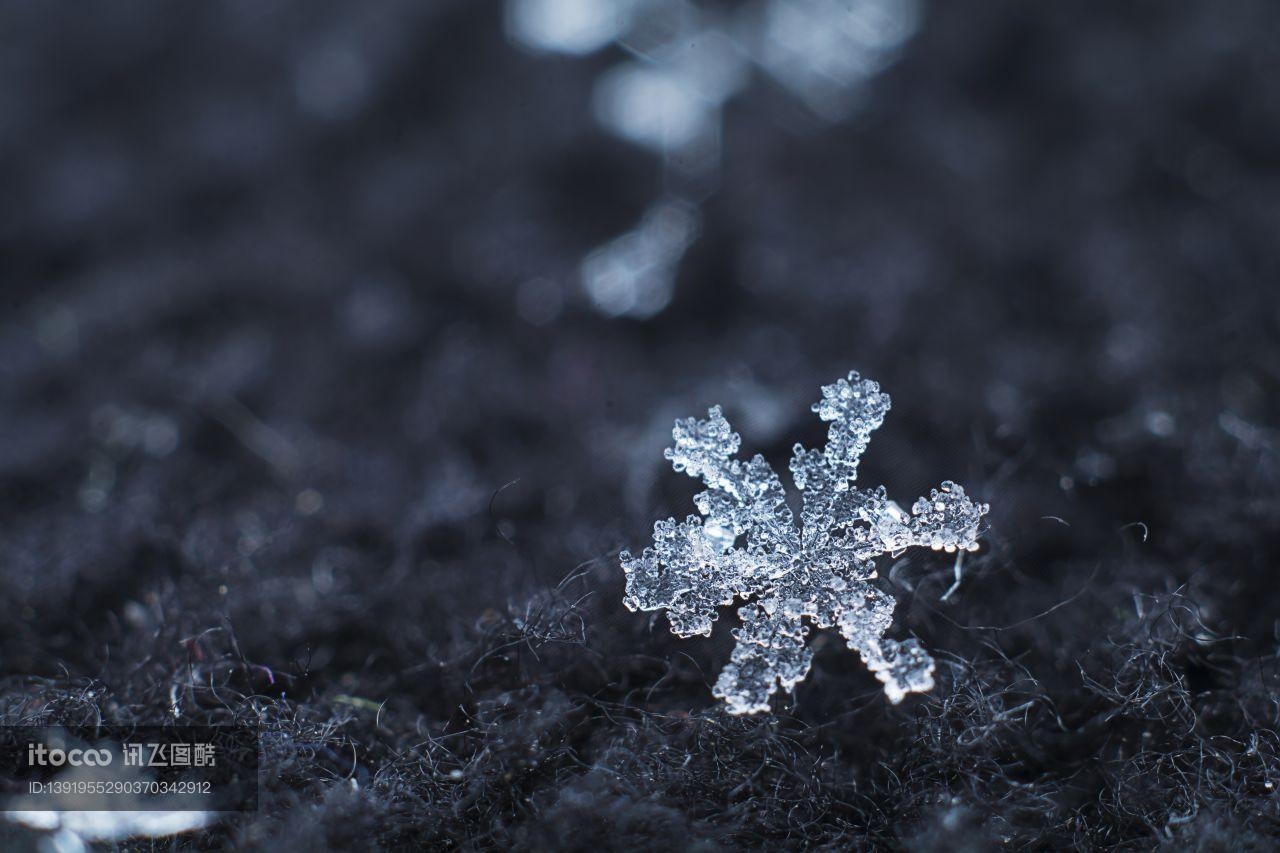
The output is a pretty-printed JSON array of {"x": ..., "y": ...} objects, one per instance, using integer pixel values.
[{"x": 747, "y": 546}]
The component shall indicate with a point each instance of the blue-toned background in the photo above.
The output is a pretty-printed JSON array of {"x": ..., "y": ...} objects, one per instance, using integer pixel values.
[{"x": 339, "y": 344}]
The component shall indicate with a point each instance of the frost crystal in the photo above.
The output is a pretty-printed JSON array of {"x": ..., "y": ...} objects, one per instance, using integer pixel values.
[{"x": 747, "y": 546}]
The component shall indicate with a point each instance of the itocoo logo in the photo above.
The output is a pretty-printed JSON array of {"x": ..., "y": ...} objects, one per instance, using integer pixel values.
[{"x": 43, "y": 756}]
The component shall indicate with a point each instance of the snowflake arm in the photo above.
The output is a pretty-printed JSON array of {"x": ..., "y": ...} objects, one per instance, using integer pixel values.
[
  {"x": 902, "y": 667},
  {"x": 855, "y": 407},
  {"x": 770, "y": 655},
  {"x": 687, "y": 573},
  {"x": 740, "y": 497}
]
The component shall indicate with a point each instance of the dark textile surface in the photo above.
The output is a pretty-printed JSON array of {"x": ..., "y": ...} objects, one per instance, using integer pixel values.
[{"x": 280, "y": 444}]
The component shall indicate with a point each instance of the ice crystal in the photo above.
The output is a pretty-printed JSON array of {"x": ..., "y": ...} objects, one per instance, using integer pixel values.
[{"x": 747, "y": 546}]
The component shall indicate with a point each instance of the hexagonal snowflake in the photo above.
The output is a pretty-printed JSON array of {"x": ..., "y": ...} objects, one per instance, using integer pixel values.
[{"x": 746, "y": 546}]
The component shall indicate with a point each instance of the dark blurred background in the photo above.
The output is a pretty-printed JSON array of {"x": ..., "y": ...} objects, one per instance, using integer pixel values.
[{"x": 339, "y": 344}]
